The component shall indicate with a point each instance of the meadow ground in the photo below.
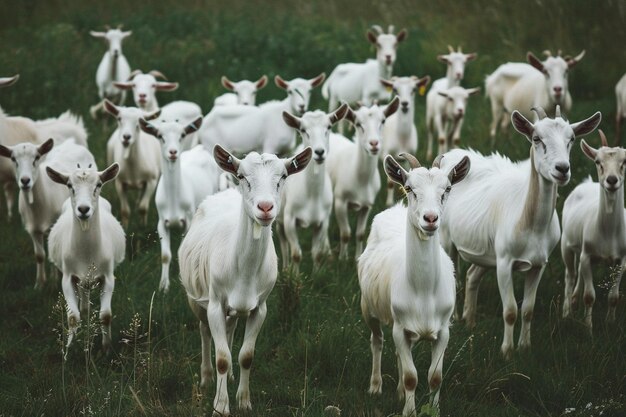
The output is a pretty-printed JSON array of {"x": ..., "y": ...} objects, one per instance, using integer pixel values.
[{"x": 313, "y": 350}]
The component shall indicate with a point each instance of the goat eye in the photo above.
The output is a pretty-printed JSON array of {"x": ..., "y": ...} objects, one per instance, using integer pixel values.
[{"x": 536, "y": 139}]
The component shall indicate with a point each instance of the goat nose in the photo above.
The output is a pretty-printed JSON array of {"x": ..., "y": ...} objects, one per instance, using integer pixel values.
[
  {"x": 374, "y": 143},
  {"x": 173, "y": 152},
  {"x": 558, "y": 89},
  {"x": 562, "y": 167},
  {"x": 611, "y": 179},
  {"x": 142, "y": 96},
  {"x": 126, "y": 137},
  {"x": 265, "y": 206},
  {"x": 404, "y": 104},
  {"x": 83, "y": 209},
  {"x": 431, "y": 217},
  {"x": 319, "y": 152},
  {"x": 24, "y": 180}
]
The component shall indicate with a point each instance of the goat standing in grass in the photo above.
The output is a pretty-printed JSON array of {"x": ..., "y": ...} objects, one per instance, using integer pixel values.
[
  {"x": 594, "y": 229},
  {"x": 113, "y": 67},
  {"x": 504, "y": 215},
  {"x": 228, "y": 263},
  {"x": 407, "y": 279},
  {"x": 86, "y": 243}
]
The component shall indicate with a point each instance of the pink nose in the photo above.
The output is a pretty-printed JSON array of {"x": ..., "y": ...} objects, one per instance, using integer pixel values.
[
  {"x": 558, "y": 90},
  {"x": 265, "y": 206},
  {"x": 142, "y": 96},
  {"x": 173, "y": 152},
  {"x": 374, "y": 143},
  {"x": 430, "y": 217}
]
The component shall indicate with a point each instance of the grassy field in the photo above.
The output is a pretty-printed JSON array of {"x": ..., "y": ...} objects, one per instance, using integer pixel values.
[{"x": 313, "y": 350}]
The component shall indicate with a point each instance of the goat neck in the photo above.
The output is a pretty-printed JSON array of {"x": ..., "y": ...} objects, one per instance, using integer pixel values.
[
  {"x": 539, "y": 203},
  {"x": 610, "y": 217},
  {"x": 253, "y": 241},
  {"x": 422, "y": 259}
]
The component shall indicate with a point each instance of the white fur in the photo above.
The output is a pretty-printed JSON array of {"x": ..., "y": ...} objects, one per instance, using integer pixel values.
[
  {"x": 113, "y": 67},
  {"x": 186, "y": 179},
  {"x": 407, "y": 280},
  {"x": 503, "y": 215},
  {"x": 86, "y": 244},
  {"x": 228, "y": 264},
  {"x": 620, "y": 114},
  {"x": 308, "y": 198},
  {"x": 353, "y": 82},
  {"x": 138, "y": 155},
  {"x": 519, "y": 86},
  {"x": 243, "y": 92},
  {"x": 353, "y": 170},
  {"x": 445, "y": 111},
  {"x": 243, "y": 129},
  {"x": 594, "y": 229},
  {"x": 40, "y": 199}
]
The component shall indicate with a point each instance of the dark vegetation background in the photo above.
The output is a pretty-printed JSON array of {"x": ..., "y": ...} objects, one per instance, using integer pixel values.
[{"x": 313, "y": 350}]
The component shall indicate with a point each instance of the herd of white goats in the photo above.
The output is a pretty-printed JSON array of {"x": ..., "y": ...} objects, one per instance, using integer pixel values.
[{"x": 498, "y": 213}]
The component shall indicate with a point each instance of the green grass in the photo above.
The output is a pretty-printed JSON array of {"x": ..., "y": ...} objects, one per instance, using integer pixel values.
[{"x": 313, "y": 350}]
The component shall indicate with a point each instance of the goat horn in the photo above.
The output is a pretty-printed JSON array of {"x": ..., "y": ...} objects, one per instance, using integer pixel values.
[
  {"x": 391, "y": 29},
  {"x": 132, "y": 74},
  {"x": 378, "y": 29},
  {"x": 107, "y": 27},
  {"x": 547, "y": 53},
  {"x": 603, "y": 138},
  {"x": 579, "y": 56},
  {"x": 450, "y": 49},
  {"x": 437, "y": 161},
  {"x": 157, "y": 74},
  {"x": 541, "y": 113},
  {"x": 413, "y": 162},
  {"x": 557, "y": 112}
]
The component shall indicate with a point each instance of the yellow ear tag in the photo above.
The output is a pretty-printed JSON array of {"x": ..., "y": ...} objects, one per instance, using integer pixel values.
[{"x": 422, "y": 90}]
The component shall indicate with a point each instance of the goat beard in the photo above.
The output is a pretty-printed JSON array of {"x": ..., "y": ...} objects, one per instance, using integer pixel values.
[
  {"x": 29, "y": 196},
  {"x": 126, "y": 152},
  {"x": 256, "y": 231},
  {"x": 84, "y": 225}
]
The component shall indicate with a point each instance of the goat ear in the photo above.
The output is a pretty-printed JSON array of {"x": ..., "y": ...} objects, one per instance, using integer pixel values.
[
  {"x": 280, "y": 83},
  {"x": 127, "y": 33},
  {"x": 522, "y": 125},
  {"x": 534, "y": 61},
  {"x": 472, "y": 91},
  {"x": 6, "y": 152},
  {"x": 124, "y": 85},
  {"x": 401, "y": 36},
  {"x": 291, "y": 120},
  {"x": 56, "y": 176},
  {"x": 392, "y": 107},
  {"x": 386, "y": 83},
  {"x": 109, "y": 173},
  {"x": 166, "y": 86},
  {"x": 8, "y": 81},
  {"x": 339, "y": 114},
  {"x": 152, "y": 116},
  {"x": 227, "y": 83},
  {"x": 588, "y": 150},
  {"x": 460, "y": 170},
  {"x": 371, "y": 36},
  {"x": 97, "y": 34},
  {"x": 588, "y": 125},
  {"x": 225, "y": 160},
  {"x": 573, "y": 61},
  {"x": 261, "y": 82},
  {"x": 317, "y": 80},
  {"x": 111, "y": 108},
  {"x": 443, "y": 58},
  {"x": 298, "y": 162},
  {"x": 443, "y": 94},
  {"x": 471, "y": 57},
  {"x": 193, "y": 126},
  {"x": 394, "y": 170},
  {"x": 424, "y": 81},
  {"x": 148, "y": 128},
  {"x": 45, "y": 147}
]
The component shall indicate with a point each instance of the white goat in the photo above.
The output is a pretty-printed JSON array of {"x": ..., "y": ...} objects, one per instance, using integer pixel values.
[
  {"x": 41, "y": 200},
  {"x": 228, "y": 263},
  {"x": 138, "y": 155},
  {"x": 444, "y": 117},
  {"x": 503, "y": 215},
  {"x": 399, "y": 132},
  {"x": 518, "y": 86},
  {"x": 244, "y": 129},
  {"x": 186, "y": 179},
  {"x": 86, "y": 244},
  {"x": 308, "y": 198},
  {"x": 145, "y": 86},
  {"x": 354, "y": 82},
  {"x": 620, "y": 114},
  {"x": 113, "y": 67},
  {"x": 594, "y": 229},
  {"x": 407, "y": 279},
  {"x": 353, "y": 170},
  {"x": 243, "y": 92}
]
